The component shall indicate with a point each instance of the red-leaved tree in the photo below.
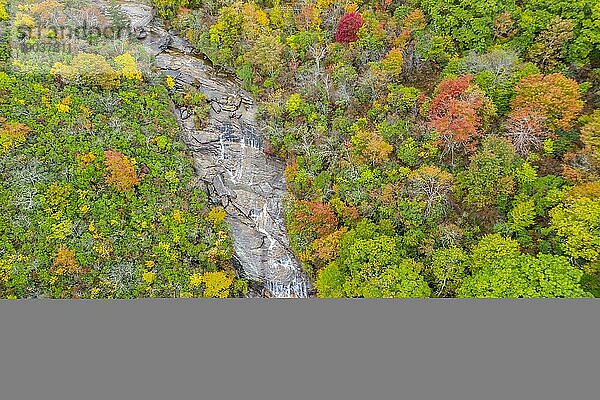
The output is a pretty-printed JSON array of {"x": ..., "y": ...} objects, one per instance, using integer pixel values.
[
  {"x": 313, "y": 219},
  {"x": 453, "y": 114},
  {"x": 348, "y": 27}
]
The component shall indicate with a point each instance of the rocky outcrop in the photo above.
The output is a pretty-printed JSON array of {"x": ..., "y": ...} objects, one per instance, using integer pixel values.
[{"x": 230, "y": 159}]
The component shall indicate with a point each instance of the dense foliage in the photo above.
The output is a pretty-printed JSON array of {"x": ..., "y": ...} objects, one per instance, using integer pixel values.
[
  {"x": 444, "y": 148},
  {"x": 97, "y": 192},
  {"x": 98, "y": 197},
  {"x": 435, "y": 148}
]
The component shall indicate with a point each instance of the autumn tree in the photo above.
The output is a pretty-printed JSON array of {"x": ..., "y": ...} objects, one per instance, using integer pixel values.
[
  {"x": 65, "y": 261},
  {"x": 505, "y": 26},
  {"x": 590, "y": 136},
  {"x": 89, "y": 70},
  {"x": 495, "y": 72},
  {"x": 308, "y": 222},
  {"x": 348, "y": 27},
  {"x": 217, "y": 284},
  {"x": 392, "y": 62},
  {"x": 128, "y": 67},
  {"x": 266, "y": 54},
  {"x": 554, "y": 96},
  {"x": 308, "y": 18},
  {"x": 550, "y": 46},
  {"x": 121, "y": 173},
  {"x": 369, "y": 147},
  {"x": 256, "y": 20},
  {"x": 12, "y": 134},
  {"x": 414, "y": 20},
  {"x": 583, "y": 165},
  {"x": 326, "y": 249},
  {"x": 316, "y": 219},
  {"x": 4, "y": 15},
  {"x": 453, "y": 114},
  {"x": 226, "y": 34}
]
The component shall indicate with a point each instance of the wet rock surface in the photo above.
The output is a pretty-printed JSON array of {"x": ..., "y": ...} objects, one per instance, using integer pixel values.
[{"x": 230, "y": 159}]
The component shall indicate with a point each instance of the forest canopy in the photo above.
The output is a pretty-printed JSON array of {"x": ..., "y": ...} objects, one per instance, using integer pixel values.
[
  {"x": 98, "y": 196},
  {"x": 433, "y": 148}
]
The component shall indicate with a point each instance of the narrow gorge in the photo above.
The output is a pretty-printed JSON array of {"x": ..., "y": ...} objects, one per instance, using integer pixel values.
[{"x": 230, "y": 159}]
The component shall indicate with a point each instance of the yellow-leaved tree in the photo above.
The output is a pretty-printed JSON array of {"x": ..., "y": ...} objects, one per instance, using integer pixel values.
[
  {"x": 87, "y": 69},
  {"x": 128, "y": 68},
  {"x": 217, "y": 284}
]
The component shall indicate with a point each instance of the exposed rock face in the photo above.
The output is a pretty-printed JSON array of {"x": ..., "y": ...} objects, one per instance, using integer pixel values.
[{"x": 230, "y": 159}]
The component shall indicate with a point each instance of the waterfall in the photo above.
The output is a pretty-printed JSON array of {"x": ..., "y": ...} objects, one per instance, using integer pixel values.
[{"x": 230, "y": 160}]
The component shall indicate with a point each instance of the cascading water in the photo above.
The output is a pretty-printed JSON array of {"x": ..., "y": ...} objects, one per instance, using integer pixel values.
[{"x": 230, "y": 160}]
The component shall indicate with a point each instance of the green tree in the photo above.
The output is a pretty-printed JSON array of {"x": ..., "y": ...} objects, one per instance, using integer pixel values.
[
  {"x": 330, "y": 282},
  {"x": 371, "y": 263},
  {"x": 539, "y": 15},
  {"x": 525, "y": 276},
  {"x": 168, "y": 9},
  {"x": 226, "y": 34},
  {"x": 491, "y": 248},
  {"x": 577, "y": 223},
  {"x": 469, "y": 22},
  {"x": 448, "y": 269},
  {"x": 398, "y": 281},
  {"x": 522, "y": 215},
  {"x": 490, "y": 175}
]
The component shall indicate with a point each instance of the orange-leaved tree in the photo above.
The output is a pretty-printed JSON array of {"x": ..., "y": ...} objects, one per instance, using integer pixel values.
[
  {"x": 313, "y": 219},
  {"x": 454, "y": 114},
  {"x": 554, "y": 96},
  {"x": 121, "y": 173},
  {"x": 12, "y": 134},
  {"x": 65, "y": 261}
]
